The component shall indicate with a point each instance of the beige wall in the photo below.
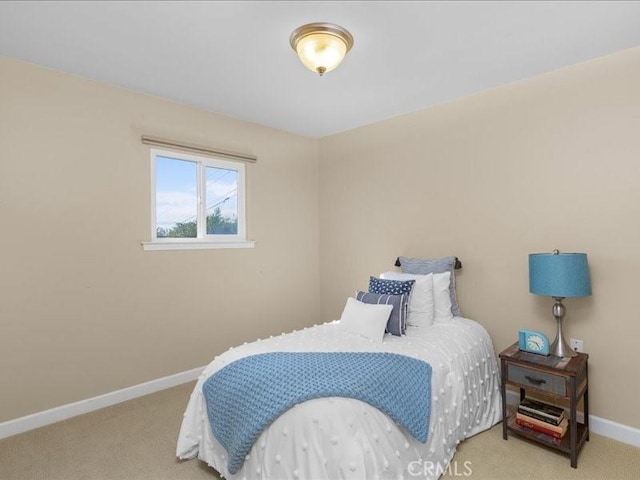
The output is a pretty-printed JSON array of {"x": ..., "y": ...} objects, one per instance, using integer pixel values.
[
  {"x": 83, "y": 309},
  {"x": 550, "y": 162}
]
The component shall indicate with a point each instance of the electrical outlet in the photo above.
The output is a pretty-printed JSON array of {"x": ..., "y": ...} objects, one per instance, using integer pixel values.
[{"x": 576, "y": 344}]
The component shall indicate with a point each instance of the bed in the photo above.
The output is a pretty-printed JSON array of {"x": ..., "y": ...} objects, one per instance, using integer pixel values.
[
  {"x": 445, "y": 389},
  {"x": 345, "y": 438}
]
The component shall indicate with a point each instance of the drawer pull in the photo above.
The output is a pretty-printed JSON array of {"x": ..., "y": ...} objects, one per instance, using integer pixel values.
[{"x": 535, "y": 381}]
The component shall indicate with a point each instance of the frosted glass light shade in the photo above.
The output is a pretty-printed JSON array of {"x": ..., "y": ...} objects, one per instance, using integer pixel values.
[
  {"x": 321, "y": 52},
  {"x": 321, "y": 46}
]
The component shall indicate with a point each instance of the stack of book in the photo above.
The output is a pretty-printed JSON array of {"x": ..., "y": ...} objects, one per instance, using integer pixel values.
[{"x": 542, "y": 417}]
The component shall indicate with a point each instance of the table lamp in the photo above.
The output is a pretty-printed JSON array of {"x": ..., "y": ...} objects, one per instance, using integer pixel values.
[{"x": 559, "y": 275}]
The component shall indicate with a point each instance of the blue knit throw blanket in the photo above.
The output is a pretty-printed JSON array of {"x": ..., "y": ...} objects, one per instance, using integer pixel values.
[{"x": 247, "y": 395}]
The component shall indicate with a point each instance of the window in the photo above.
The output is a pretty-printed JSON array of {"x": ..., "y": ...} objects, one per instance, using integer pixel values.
[{"x": 197, "y": 202}]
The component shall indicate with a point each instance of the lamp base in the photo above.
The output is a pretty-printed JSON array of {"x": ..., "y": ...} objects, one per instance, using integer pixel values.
[{"x": 560, "y": 347}]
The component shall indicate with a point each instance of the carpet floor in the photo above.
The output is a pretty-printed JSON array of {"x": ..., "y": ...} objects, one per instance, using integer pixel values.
[{"x": 136, "y": 440}]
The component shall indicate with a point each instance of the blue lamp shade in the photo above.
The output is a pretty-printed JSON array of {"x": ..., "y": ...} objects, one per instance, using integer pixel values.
[{"x": 559, "y": 275}]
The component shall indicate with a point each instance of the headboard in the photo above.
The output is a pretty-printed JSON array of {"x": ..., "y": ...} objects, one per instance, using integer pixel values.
[{"x": 457, "y": 266}]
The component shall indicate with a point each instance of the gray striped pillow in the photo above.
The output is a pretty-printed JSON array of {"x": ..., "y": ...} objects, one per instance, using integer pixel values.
[
  {"x": 425, "y": 266},
  {"x": 397, "y": 323}
]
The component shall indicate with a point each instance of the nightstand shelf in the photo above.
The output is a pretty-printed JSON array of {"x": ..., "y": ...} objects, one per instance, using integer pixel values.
[
  {"x": 562, "y": 444},
  {"x": 552, "y": 377}
]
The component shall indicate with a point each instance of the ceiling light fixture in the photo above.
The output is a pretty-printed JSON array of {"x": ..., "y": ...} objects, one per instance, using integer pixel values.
[{"x": 321, "y": 46}]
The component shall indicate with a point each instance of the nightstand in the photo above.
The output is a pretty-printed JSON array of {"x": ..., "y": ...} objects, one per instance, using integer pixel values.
[{"x": 550, "y": 377}]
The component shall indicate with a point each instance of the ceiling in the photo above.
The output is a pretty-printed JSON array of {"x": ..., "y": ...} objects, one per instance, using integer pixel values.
[{"x": 234, "y": 58}]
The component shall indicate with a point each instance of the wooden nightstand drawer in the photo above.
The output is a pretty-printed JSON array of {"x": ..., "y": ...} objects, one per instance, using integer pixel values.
[{"x": 536, "y": 379}]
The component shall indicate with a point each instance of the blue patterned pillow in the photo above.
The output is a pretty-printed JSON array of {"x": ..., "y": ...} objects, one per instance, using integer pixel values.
[
  {"x": 425, "y": 266},
  {"x": 397, "y": 323},
  {"x": 390, "y": 287}
]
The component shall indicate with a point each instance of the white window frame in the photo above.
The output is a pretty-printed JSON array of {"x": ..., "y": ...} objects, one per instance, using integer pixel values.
[{"x": 203, "y": 240}]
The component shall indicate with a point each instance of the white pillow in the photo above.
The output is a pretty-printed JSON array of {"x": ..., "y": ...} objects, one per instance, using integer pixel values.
[
  {"x": 369, "y": 321},
  {"x": 421, "y": 301},
  {"x": 442, "y": 297}
]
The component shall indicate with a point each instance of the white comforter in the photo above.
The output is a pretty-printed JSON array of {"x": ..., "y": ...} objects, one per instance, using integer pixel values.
[{"x": 342, "y": 438}]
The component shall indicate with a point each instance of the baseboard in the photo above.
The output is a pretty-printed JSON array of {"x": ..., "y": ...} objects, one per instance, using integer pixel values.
[
  {"x": 47, "y": 417},
  {"x": 600, "y": 426},
  {"x": 616, "y": 431}
]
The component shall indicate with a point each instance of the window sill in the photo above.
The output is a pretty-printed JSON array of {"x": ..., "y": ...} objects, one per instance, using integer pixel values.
[{"x": 196, "y": 245}]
